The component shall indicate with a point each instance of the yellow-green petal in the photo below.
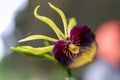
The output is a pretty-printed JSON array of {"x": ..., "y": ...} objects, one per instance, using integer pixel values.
[
  {"x": 72, "y": 23},
  {"x": 37, "y": 37},
  {"x": 60, "y": 12},
  {"x": 28, "y": 50},
  {"x": 50, "y": 23}
]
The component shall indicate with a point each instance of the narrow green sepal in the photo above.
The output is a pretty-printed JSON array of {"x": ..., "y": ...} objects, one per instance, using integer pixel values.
[
  {"x": 30, "y": 51},
  {"x": 62, "y": 15},
  {"x": 51, "y": 23},
  {"x": 72, "y": 23},
  {"x": 37, "y": 37}
]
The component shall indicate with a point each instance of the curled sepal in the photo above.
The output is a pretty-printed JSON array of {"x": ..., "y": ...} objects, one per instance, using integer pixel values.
[
  {"x": 30, "y": 51},
  {"x": 60, "y": 12},
  {"x": 72, "y": 23},
  {"x": 37, "y": 37},
  {"x": 48, "y": 21}
]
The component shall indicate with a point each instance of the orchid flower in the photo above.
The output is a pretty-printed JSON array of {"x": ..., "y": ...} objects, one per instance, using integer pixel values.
[{"x": 73, "y": 48}]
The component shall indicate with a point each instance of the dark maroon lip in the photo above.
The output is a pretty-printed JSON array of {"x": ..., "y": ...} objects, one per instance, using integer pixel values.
[{"x": 81, "y": 36}]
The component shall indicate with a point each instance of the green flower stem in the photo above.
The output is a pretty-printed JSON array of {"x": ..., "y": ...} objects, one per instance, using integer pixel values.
[
  {"x": 67, "y": 70},
  {"x": 69, "y": 73},
  {"x": 49, "y": 57}
]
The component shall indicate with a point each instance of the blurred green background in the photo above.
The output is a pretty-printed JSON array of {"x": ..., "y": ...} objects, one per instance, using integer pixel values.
[{"x": 15, "y": 66}]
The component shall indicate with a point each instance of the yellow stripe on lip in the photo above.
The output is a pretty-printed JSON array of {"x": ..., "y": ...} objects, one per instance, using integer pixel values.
[{"x": 85, "y": 57}]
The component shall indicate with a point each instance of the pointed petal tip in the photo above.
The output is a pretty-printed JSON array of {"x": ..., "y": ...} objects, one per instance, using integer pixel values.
[
  {"x": 36, "y": 10},
  {"x": 21, "y": 40},
  {"x": 12, "y": 48},
  {"x": 16, "y": 49},
  {"x": 49, "y": 3},
  {"x": 38, "y": 6},
  {"x": 24, "y": 40}
]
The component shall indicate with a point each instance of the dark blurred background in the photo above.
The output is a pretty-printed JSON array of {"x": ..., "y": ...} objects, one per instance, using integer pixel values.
[{"x": 14, "y": 66}]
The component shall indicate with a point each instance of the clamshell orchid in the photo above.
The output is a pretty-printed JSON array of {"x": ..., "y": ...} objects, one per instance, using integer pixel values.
[{"x": 73, "y": 48}]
